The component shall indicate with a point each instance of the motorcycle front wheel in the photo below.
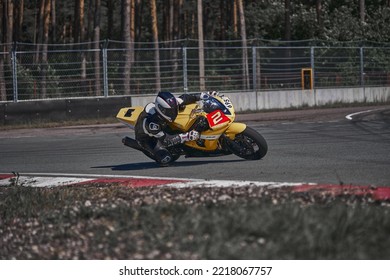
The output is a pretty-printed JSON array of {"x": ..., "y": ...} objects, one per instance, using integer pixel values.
[{"x": 250, "y": 145}]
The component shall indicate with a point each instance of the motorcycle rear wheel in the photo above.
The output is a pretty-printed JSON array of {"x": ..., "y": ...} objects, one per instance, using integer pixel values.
[{"x": 250, "y": 144}]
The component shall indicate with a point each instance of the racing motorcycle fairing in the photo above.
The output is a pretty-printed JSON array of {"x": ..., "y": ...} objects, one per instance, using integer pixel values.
[
  {"x": 234, "y": 129},
  {"x": 129, "y": 115}
]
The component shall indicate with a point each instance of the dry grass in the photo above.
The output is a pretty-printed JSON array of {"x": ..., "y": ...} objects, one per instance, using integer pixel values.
[{"x": 111, "y": 222}]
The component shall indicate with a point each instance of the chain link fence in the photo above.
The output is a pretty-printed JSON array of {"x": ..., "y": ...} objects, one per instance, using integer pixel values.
[{"x": 70, "y": 71}]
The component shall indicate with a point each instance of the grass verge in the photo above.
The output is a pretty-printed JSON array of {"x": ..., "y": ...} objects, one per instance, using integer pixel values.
[{"x": 111, "y": 222}]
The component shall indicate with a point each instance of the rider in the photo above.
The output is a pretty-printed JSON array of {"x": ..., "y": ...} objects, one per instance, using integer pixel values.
[{"x": 152, "y": 131}]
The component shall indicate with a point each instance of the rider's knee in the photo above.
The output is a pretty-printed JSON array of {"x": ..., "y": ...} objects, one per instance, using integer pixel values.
[{"x": 163, "y": 156}]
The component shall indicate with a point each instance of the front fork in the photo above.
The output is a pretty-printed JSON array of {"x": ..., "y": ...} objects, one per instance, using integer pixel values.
[
  {"x": 227, "y": 139},
  {"x": 234, "y": 129}
]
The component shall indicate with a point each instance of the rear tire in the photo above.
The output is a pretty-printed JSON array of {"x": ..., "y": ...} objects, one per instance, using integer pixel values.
[{"x": 250, "y": 145}]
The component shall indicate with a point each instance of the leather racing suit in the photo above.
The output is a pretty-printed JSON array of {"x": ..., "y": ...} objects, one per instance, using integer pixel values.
[{"x": 153, "y": 133}]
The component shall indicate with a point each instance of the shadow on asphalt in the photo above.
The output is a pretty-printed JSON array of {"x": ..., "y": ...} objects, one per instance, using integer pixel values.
[{"x": 153, "y": 165}]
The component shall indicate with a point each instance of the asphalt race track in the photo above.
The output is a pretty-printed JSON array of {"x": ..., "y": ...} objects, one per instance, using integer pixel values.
[{"x": 328, "y": 149}]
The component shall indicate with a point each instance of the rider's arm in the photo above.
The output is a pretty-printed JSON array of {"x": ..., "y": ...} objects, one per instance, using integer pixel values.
[
  {"x": 172, "y": 140},
  {"x": 189, "y": 98}
]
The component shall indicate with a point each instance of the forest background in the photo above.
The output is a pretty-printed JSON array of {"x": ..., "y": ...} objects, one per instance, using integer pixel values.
[
  {"x": 78, "y": 21},
  {"x": 41, "y": 25}
]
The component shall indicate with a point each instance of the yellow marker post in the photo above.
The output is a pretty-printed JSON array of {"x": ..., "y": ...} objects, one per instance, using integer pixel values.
[{"x": 307, "y": 78}]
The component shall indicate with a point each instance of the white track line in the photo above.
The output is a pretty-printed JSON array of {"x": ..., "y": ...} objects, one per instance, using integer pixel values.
[
  {"x": 350, "y": 116},
  {"x": 231, "y": 184},
  {"x": 97, "y": 176}
]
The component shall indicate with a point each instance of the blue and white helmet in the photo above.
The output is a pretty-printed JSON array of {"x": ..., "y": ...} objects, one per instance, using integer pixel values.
[{"x": 166, "y": 105}]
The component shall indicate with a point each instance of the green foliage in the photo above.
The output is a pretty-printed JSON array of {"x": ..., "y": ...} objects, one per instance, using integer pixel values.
[
  {"x": 30, "y": 82},
  {"x": 378, "y": 24},
  {"x": 340, "y": 20},
  {"x": 264, "y": 18},
  {"x": 304, "y": 23},
  {"x": 341, "y": 26}
]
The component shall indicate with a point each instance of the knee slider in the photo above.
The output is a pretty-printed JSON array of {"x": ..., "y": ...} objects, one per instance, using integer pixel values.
[{"x": 163, "y": 156}]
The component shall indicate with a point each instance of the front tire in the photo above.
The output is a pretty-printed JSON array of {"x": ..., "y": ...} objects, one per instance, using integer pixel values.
[{"x": 250, "y": 145}]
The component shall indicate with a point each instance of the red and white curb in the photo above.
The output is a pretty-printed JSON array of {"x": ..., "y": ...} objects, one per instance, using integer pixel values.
[{"x": 55, "y": 180}]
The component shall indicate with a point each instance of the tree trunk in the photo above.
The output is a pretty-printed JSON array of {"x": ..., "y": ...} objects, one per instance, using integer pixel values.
[
  {"x": 171, "y": 21},
  {"x": 8, "y": 28},
  {"x": 83, "y": 55},
  {"x": 96, "y": 42},
  {"x": 153, "y": 11},
  {"x": 76, "y": 22},
  {"x": 362, "y": 10},
  {"x": 110, "y": 18},
  {"x": 132, "y": 29},
  {"x": 235, "y": 21},
  {"x": 319, "y": 17},
  {"x": 3, "y": 23},
  {"x": 3, "y": 91},
  {"x": 81, "y": 21},
  {"x": 139, "y": 18},
  {"x": 179, "y": 25},
  {"x": 53, "y": 22},
  {"x": 19, "y": 9},
  {"x": 287, "y": 37},
  {"x": 45, "y": 64},
  {"x": 39, "y": 31},
  {"x": 90, "y": 24},
  {"x": 126, "y": 12},
  {"x": 245, "y": 66},
  {"x": 176, "y": 35},
  {"x": 89, "y": 37},
  {"x": 287, "y": 20},
  {"x": 10, "y": 22},
  {"x": 202, "y": 84}
]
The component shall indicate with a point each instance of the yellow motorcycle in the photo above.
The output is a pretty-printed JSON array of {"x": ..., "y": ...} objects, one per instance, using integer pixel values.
[{"x": 223, "y": 137}]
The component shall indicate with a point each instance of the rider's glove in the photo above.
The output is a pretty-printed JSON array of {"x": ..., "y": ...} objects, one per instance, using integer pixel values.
[
  {"x": 214, "y": 93},
  {"x": 193, "y": 135},
  {"x": 180, "y": 104},
  {"x": 189, "y": 136},
  {"x": 204, "y": 95},
  {"x": 207, "y": 94}
]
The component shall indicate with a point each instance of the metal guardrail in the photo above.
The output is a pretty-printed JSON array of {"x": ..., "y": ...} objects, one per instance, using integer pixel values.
[{"x": 72, "y": 72}]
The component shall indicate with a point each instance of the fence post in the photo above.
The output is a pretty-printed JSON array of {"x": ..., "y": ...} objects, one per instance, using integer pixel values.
[
  {"x": 105, "y": 70},
  {"x": 254, "y": 69},
  {"x": 14, "y": 74},
  {"x": 312, "y": 66},
  {"x": 185, "y": 78},
  {"x": 361, "y": 67},
  {"x": 313, "y": 75}
]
